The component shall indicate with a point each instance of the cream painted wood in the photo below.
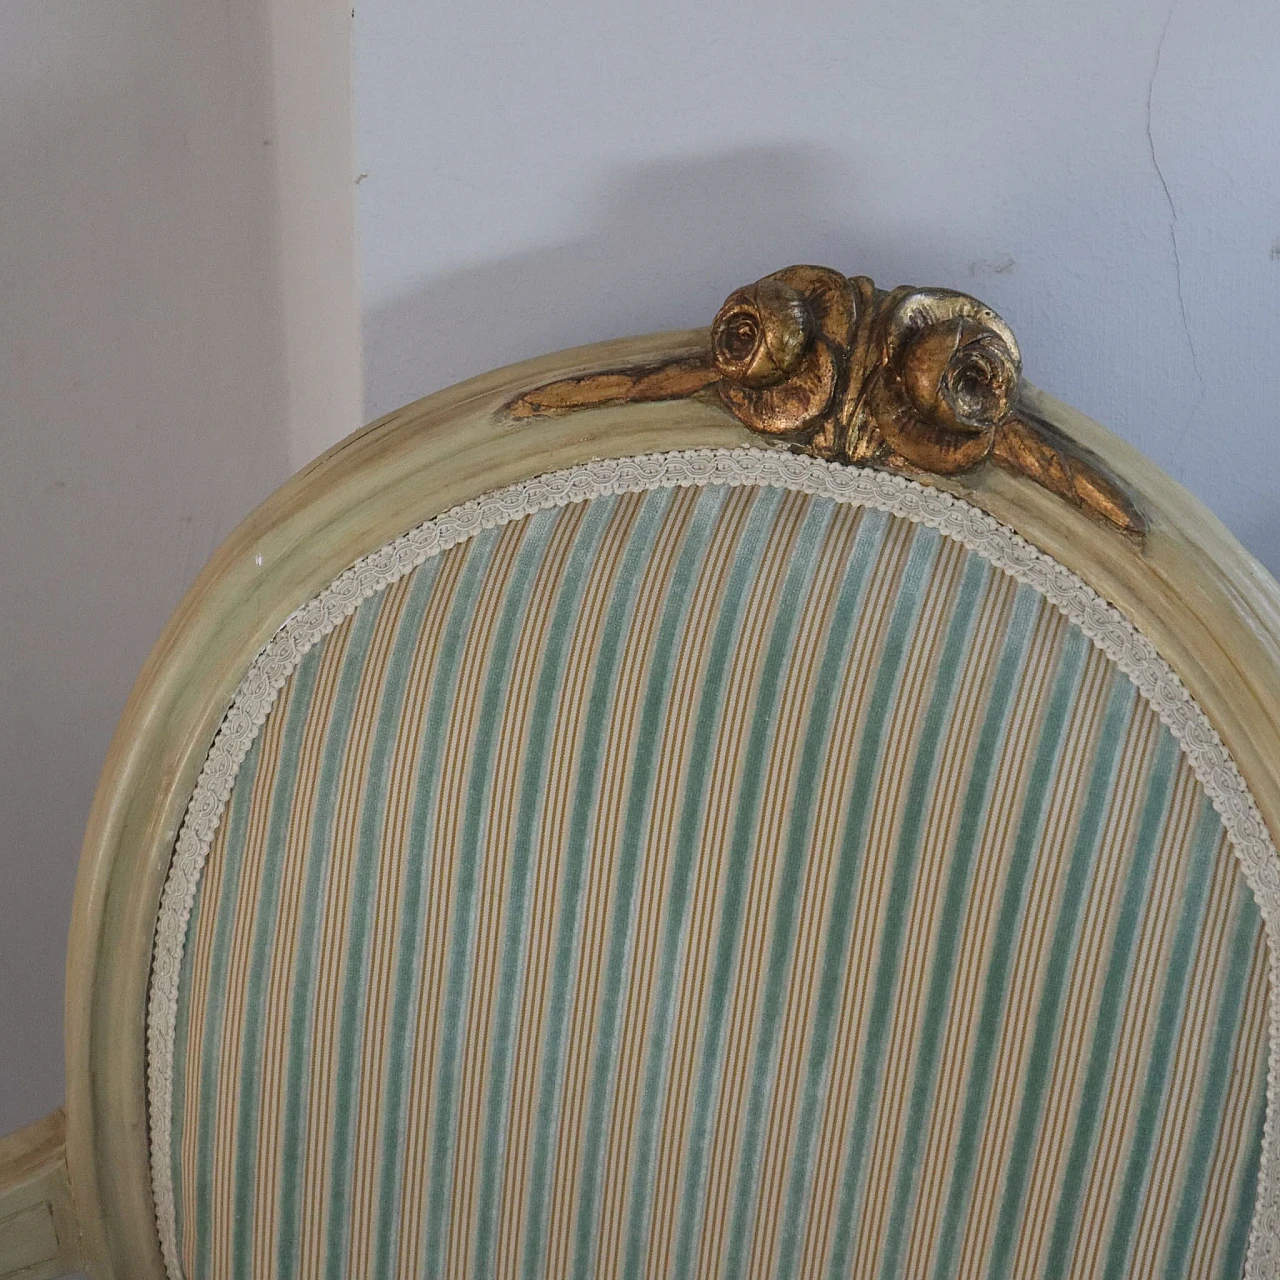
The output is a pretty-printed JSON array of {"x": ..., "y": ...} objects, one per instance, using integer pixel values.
[
  {"x": 39, "y": 1238},
  {"x": 1209, "y": 608}
]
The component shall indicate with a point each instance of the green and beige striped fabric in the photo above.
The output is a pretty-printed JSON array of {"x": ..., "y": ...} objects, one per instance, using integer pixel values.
[{"x": 716, "y": 881}]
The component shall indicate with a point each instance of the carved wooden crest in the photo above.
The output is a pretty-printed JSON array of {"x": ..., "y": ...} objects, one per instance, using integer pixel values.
[{"x": 923, "y": 380}]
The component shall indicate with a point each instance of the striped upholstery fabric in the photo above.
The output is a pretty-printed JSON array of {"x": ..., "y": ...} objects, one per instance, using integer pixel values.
[{"x": 717, "y": 882}]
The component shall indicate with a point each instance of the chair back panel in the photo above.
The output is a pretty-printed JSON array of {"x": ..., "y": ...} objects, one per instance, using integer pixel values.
[{"x": 720, "y": 879}]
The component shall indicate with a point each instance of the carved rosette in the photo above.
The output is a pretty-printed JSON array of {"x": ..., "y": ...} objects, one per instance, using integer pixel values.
[
  {"x": 781, "y": 349},
  {"x": 918, "y": 380}
]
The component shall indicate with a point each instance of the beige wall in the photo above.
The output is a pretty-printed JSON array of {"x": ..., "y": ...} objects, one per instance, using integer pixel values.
[{"x": 178, "y": 332}]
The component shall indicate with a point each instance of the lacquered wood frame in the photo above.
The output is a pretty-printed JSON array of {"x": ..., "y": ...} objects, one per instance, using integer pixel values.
[{"x": 1212, "y": 612}]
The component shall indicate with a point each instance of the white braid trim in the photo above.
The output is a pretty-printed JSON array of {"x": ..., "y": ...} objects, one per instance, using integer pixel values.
[{"x": 1109, "y": 630}]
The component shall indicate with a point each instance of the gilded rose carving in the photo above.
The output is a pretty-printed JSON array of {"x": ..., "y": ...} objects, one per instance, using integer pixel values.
[{"x": 917, "y": 380}]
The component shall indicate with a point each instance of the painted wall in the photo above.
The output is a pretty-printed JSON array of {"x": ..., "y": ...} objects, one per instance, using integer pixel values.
[
  {"x": 178, "y": 332},
  {"x": 1107, "y": 175}
]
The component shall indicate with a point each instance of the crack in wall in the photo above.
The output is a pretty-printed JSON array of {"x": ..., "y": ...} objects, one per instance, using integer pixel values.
[{"x": 1173, "y": 233}]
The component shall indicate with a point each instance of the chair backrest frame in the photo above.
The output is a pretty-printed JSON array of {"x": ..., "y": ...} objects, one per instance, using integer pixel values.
[{"x": 1208, "y": 608}]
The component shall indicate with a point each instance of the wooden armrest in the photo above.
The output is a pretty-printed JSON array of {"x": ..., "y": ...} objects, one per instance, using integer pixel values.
[{"x": 39, "y": 1238}]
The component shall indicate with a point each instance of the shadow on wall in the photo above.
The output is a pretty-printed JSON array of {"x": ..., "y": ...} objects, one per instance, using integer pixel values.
[
  {"x": 667, "y": 244},
  {"x": 1096, "y": 309}
]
